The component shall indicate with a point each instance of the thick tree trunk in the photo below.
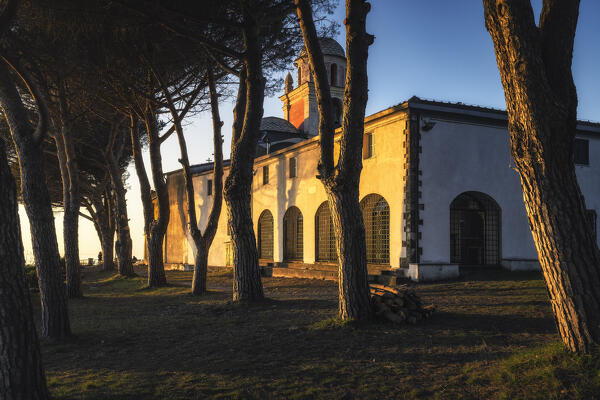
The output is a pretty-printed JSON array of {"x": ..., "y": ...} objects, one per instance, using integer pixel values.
[
  {"x": 55, "y": 316},
  {"x": 541, "y": 99},
  {"x": 124, "y": 255},
  {"x": 154, "y": 228},
  {"x": 353, "y": 286},
  {"x": 156, "y": 266},
  {"x": 107, "y": 242},
  {"x": 200, "y": 270},
  {"x": 341, "y": 182},
  {"x": 247, "y": 284},
  {"x": 70, "y": 175},
  {"x": 21, "y": 371}
]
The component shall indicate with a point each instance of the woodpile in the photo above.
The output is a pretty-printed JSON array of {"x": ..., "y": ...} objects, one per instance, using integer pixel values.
[{"x": 399, "y": 305}]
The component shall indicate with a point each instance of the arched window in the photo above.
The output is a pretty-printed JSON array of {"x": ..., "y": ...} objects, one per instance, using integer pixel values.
[
  {"x": 474, "y": 229},
  {"x": 299, "y": 75},
  {"x": 376, "y": 216},
  {"x": 326, "y": 249},
  {"x": 293, "y": 226},
  {"x": 265, "y": 235},
  {"x": 333, "y": 81}
]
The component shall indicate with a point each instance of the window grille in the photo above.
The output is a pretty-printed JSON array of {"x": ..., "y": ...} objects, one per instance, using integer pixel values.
[
  {"x": 292, "y": 167},
  {"x": 209, "y": 187},
  {"x": 265, "y": 235},
  {"x": 376, "y": 217},
  {"x": 581, "y": 151},
  {"x": 293, "y": 236},
  {"x": 265, "y": 174},
  {"x": 325, "y": 234},
  {"x": 474, "y": 230}
]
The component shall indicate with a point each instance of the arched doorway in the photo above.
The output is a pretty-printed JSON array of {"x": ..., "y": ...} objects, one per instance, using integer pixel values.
[
  {"x": 293, "y": 237},
  {"x": 326, "y": 248},
  {"x": 265, "y": 235},
  {"x": 474, "y": 230},
  {"x": 376, "y": 216}
]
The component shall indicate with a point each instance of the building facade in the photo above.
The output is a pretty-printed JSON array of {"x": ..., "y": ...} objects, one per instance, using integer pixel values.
[{"x": 438, "y": 188}]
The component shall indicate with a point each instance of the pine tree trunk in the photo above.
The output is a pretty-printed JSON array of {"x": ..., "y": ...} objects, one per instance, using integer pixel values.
[
  {"x": 70, "y": 176},
  {"x": 202, "y": 241},
  {"x": 71, "y": 230},
  {"x": 125, "y": 245},
  {"x": 157, "y": 227},
  {"x": 567, "y": 251},
  {"x": 124, "y": 257},
  {"x": 342, "y": 181},
  {"x": 200, "y": 269},
  {"x": 55, "y": 316},
  {"x": 21, "y": 371},
  {"x": 156, "y": 265},
  {"x": 535, "y": 68},
  {"x": 353, "y": 286},
  {"x": 154, "y": 229},
  {"x": 71, "y": 241},
  {"x": 105, "y": 228},
  {"x": 247, "y": 284},
  {"x": 107, "y": 250}
]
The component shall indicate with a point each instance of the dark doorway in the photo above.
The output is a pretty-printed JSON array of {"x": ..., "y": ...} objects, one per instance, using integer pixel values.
[
  {"x": 474, "y": 230},
  {"x": 265, "y": 235},
  {"x": 293, "y": 228}
]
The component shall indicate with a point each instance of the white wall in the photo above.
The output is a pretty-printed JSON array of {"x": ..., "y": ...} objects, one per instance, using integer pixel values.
[
  {"x": 459, "y": 157},
  {"x": 588, "y": 177}
]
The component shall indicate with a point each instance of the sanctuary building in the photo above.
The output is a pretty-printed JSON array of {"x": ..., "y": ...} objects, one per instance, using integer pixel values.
[{"x": 438, "y": 188}]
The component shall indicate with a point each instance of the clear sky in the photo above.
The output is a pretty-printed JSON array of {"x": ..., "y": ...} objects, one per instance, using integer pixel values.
[{"x": 434, "y": 49}]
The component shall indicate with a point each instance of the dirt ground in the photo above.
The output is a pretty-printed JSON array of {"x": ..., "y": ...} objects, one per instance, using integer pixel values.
[{"x": 492, "y": 336}]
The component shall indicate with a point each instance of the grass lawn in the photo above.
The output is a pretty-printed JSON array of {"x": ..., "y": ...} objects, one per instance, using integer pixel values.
[{"x": 492, "y": 336}]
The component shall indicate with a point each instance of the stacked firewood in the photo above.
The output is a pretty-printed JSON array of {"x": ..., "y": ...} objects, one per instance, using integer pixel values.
[{"x": 399, "y": 304}]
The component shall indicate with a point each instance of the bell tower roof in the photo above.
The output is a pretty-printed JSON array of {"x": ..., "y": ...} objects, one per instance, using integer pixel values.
[
  {"x": 300, "y": 103},
  {"x": 329, "y": 47}
]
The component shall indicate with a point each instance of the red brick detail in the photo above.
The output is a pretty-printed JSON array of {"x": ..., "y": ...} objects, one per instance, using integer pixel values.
[{"x": 297, "y": 113}]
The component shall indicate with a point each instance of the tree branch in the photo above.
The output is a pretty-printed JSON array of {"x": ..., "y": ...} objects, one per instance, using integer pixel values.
[{"x": 42, "y": 108}]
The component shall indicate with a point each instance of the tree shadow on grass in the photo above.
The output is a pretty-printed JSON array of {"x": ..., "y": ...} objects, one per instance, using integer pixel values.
[{"x": 507, "y": 324}]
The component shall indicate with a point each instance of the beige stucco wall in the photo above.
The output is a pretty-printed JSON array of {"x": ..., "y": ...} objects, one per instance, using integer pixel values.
[{"x": 381, "y": 174}]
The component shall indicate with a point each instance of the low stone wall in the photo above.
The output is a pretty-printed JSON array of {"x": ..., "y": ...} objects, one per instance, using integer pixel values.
[
  {"x": 514, "y": 264},
  {"x": 432, "y": 272}
]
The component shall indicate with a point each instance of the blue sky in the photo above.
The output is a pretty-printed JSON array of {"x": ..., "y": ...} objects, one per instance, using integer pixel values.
[{"x": 434, "y": 49}]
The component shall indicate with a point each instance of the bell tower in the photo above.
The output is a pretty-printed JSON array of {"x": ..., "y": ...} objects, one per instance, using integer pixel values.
[{"x": 300, "y": 103}]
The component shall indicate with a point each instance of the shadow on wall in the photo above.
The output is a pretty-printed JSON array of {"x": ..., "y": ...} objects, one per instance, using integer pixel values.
[{"x": 286, "y": 197}]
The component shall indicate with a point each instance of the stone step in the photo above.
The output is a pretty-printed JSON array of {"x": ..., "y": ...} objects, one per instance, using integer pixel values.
[
  {"x": 308, "y": 271},
  {"x": 277, "y": 272},
  {"x": 318, "y": 267},
  {"x": 373, "y": 269}
]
